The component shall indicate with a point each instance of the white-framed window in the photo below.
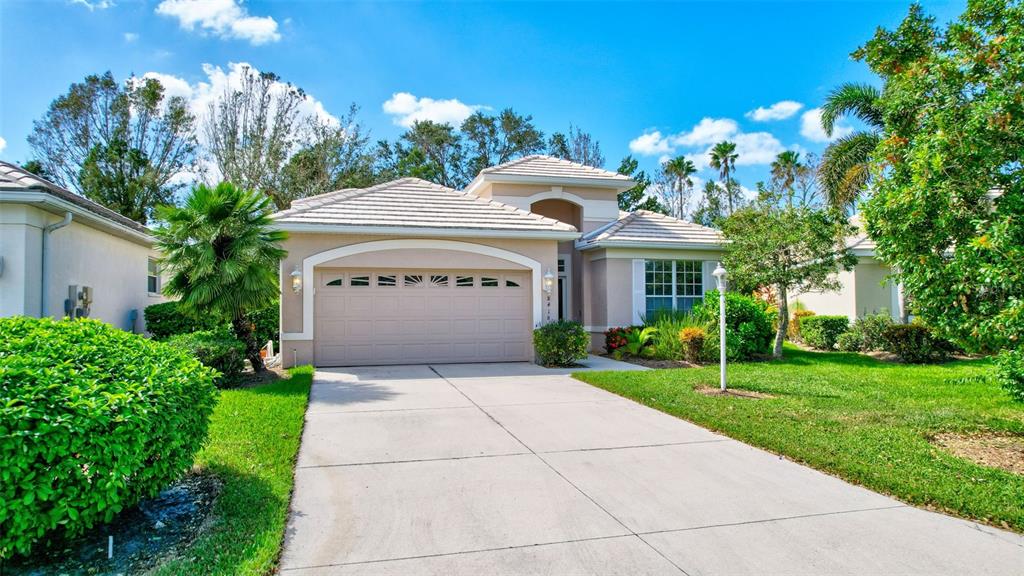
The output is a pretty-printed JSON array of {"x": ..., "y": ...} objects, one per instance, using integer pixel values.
[
  {"x": 672, "y": 285},
  {"x": 153, "y": 276}
]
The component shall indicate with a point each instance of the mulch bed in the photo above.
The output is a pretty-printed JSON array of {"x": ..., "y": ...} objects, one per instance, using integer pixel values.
[
  {"x": 732, "y": 393},
  {"x": 654, "y": 364},
  {"x": 144, "y": 535},
  {"x": 1003, "y": 451}
]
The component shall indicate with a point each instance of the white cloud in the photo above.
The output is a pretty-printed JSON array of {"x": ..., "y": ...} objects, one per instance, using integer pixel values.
[
  {"x": 130, "y": 37},
  {"x": 707, "y": 131},
  {"x": 222, "y": 18},
  {"x": 405, "y": 109},
  {"x": 810, "y": 127},
  {"x": 3, "y": 144},
  {"x": 95, "y": 5},
  {"x": 778, "y": 111},
  {"x": 650, "y": 144},
  {"x": 696, "y": 143}
]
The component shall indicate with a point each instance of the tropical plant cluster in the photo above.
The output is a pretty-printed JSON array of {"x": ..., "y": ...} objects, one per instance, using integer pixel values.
[
  {"x": 694, "y": 336},
  {"x": 561, "y": 343},
  {"x": 866, "y": 333},
  {"x": 92, "y": 419},
  {"x": 916, "y": 343}
]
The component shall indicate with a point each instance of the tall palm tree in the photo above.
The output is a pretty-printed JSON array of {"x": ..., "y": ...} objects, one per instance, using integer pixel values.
[
  {"x": 844, "y": 165},
  {"x": 723, "y": 159},
  {"x": 786, "y": 169},
  {"x": 222, "y": 256},
  {"x": 680, "y": 169}
]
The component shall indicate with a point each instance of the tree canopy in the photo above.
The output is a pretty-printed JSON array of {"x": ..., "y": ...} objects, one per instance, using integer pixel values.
[
  {"x": 947, "y": 209},
  {"x": 125, "y": 145}
]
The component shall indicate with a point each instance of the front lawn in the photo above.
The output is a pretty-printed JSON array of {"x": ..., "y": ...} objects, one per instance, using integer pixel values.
[
  {"x": 254, "y": 439},
  {"x": 867, "y": 421}
]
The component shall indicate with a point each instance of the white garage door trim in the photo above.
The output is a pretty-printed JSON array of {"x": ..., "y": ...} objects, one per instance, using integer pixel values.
[{"x": 313, "y": 260}]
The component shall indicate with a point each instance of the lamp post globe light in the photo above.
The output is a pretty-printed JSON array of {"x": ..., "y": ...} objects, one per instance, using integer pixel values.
[{"x": 720, "y": 279}]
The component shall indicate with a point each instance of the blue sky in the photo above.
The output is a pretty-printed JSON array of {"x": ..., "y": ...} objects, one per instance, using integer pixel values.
[{"x": 653, "y": 79}]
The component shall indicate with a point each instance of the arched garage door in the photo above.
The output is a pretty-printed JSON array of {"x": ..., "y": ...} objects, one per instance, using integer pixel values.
[{"x": 419, "y": 316}]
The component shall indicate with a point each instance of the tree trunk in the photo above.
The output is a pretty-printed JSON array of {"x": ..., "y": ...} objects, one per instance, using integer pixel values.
[
  {"x": 780, "y": 334},
  {"x": 244, "y": 332}
]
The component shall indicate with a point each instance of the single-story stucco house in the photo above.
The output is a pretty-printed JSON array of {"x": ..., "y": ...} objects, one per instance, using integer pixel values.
[
  {"x": 868, "y": 288},
  {"x": 62, "y": 254},
  {"x": 412, "y": 272}
]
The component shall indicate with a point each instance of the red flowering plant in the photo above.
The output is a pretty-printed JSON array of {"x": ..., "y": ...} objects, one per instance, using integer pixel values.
[{"x": 615, "y": 338}]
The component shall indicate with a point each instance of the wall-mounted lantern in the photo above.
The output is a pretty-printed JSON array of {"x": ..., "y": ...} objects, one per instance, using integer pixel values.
[
  {"x": 549, "y": 281},
  {"x": 296, "y": 279}
]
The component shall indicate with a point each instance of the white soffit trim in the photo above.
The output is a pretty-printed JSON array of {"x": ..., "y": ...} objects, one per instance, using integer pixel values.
[
  {"x": 583, "y": 246},
  {"x": 428, "y": 232},
  {"x": 43, "y": 200},
  {"x": 310, "y": 262},
  {"x": 615, "y": 184}
]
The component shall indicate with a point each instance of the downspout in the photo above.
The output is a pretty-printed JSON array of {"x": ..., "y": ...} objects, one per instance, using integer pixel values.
[{"x": 44, "y": 284}]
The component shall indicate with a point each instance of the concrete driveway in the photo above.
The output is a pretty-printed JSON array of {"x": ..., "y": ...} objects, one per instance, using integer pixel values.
[{"x": 515, "y": 469}]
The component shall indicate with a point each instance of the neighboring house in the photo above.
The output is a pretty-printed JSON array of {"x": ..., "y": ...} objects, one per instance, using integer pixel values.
[
  {"x": 53, "y": 243},
  {"x": 412, "y": 272},
  {"x": 866, "y": 289}
]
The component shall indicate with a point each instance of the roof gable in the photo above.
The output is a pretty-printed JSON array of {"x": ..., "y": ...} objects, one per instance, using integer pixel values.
[
  {"x": 413, "y": 204},
  {"x": 645, "y": 228}
]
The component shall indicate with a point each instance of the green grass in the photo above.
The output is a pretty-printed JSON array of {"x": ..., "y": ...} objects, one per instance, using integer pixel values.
[
  {"x": 866, "y": 421},
  {"x": 254, "y": 439}
]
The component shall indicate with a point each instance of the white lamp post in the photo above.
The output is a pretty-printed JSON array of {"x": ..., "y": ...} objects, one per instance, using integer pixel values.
[{"x": 720, "y": 275}]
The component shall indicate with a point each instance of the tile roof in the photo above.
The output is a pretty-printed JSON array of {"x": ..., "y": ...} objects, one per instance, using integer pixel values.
[
  {"x": 17, "y": 179},
  {"x": 414, "y": 203},
  {"x": 647, "y": 228},
  {"x": 550, "y": 167}
]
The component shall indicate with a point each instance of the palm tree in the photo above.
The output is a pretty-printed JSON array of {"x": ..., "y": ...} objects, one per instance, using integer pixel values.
[
  {"x": 222, "y": 256},
  {"x": 723, "y": 159},
  {"x": 786, "y": 168},
  {"x": 680, "y": 169},
  {"x": 844, "y": 165}
]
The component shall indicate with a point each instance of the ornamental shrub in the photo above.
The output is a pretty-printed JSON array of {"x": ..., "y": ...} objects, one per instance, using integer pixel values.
[
  {"x": 865, "y": 333},
  {"x": 822, "y": 332},
  {"x": 170, "y": 319},
  {"x": 793, "y": 330},
  {"x": 267, "y": 325},
  {"x": 748, "y": 328},
  {"x": 851, "y": 341},
  {"x": 1010, "y": 372},
  {"x": 916, "y": 344},
  {"x": 561, "y": 343},
  {"x": 92, "y": 419},
  {"x": 692, "y": 341},
  {"x": 217, "y": 349}
]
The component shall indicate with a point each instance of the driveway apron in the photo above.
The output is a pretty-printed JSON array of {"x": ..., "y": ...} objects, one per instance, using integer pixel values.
[{"x": 517, "y": 469}]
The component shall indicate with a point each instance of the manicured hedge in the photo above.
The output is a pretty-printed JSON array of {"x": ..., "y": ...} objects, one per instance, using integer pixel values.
[
  {"x": 916, "y": 344},
  {"x": 170, "y": 319},
  {"x": 1010, "y": 372},
  {"x": 748, "y": 326},
  {"x": 218, "y": 349},
  {"x": 91, "y": 420},
  {"x": 822, "y": 332},
  {"x": 560, "y": 343}
]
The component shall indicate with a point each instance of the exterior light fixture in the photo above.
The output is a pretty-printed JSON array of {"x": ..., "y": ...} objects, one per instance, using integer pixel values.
[
  {"x": 296, "y": 279},
  {"x": 549, "y": 281},
  {"x": 720, "y": 276}
]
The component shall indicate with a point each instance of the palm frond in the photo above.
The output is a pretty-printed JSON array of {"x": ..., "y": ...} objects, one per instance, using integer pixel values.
[
  {"x": 844, "y": 168},
  {"x": 852, "y": 99}
]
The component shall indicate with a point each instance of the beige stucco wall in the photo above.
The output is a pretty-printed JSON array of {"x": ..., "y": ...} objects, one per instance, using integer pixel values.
[
  {"x": 303, "y": 245},
  {"x": 597, "y": 206},
  {"x": 863, "y": 290},
  {"x": 115, "y": 268}
]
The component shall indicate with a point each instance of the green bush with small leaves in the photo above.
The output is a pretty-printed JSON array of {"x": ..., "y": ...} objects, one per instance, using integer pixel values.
[
  {"x": 561, "y": 343},
  {"x": 822, "y": 332},
  {"x": 92, "y": 419},
  {"x": 1010, "y": 372},
  {"x": 170, "y": 319},
  {"x": 217, "y": 349},
  {"x": 851, "y": 341},
  {"x": 916, "y": 344},
  {"x": 748, "y": 326}
]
